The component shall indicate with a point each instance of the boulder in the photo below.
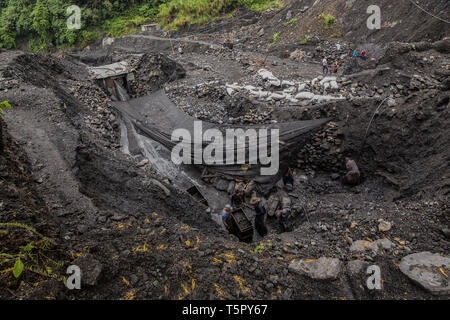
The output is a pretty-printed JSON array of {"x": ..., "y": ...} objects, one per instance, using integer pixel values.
[
  {"x": 384, "y": 226},
  {"x": 375, "y": 246},
  {"x": 322, "y": 268},
  {"x": 430, "y": 271},
  {"x": 90, "y": 269},
  {"x": 304, "y": 95},
  {"x": 356, "y": 267}
]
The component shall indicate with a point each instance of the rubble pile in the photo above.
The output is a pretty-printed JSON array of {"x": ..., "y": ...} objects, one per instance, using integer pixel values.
[
  {"x": 141, "y": 236},
  {"x": 152, "y": 72}
]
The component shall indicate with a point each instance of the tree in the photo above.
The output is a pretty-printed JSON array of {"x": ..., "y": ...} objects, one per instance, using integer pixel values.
[{"x": 42, "y": 24}]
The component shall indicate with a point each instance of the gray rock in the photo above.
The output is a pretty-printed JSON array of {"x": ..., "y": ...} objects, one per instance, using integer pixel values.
[
  {"x": 289, "y": 15},
  {"x": 160, "y": 185},
  {"x": 363, "y": 245},
  {"x": 355, "y": 267},
  {"x": 424, "y": 269},
  {"x": 384, "y": 226},
  {"x": 323, "y": 268},
  {"x": 222, "y": 184},
  {"x": 384, "y": 244},
  {"x": 375, "y": 246},
  {"x": 287, "y": 294},
  {"x": 142, "y": 163},
  {"x": 90, "y": 269}
]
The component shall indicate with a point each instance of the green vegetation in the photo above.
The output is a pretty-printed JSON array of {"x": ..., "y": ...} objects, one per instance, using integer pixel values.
[
  {"x": 304, "y": 40},
  {"x": 260, "y": 248},
  {"x": 336, "y": 36},
  {"x": 328, "y": 19},
  {"x": 292, "y": 21},
  {"x": 179, "y": 13},
  {"x": 3, "y": 106},
  {"x": 42, "y": 24},
  {"x": 275, "y": 38},
  {"x": 32, "y": 256}
]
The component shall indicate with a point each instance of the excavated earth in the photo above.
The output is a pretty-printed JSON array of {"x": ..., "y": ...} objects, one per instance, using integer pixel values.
[{"x": 139, "y": 237}]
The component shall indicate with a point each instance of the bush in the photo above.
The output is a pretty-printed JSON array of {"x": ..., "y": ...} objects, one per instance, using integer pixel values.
[
  {"x": 43, "y": 22},
  {"x": 292, "y": 21},
  {"x": 275, "y": 38},
  {"x": 304, "y": 40},
  {"x": 328, "y": 19}
]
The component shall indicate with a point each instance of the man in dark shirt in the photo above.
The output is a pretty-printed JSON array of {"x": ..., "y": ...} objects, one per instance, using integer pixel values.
[
  {"x": 288, "y": 179},
  {"x": 282, "y": 217},
  {"x": 261, "y": 212},
  {"x": 237, "y": 199}
]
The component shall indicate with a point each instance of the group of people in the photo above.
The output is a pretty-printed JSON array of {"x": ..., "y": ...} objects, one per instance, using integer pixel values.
[
  {"x": 238, "y": 201},
  {"x": 333, "y": 69},
  {"x": 282, "y": 215},
  {"x": 362, "y": 54}
]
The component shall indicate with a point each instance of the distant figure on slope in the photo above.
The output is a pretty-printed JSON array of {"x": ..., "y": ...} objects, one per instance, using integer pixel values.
[
  {"x": 363, "y": 54},
  {"x": 288, "y": 180},
  {"x": 325, "y": 65},
  {"x": 353, "y": 174},
  {"x": 180, "y": 50},
  {"x": 334, "y": 67}
]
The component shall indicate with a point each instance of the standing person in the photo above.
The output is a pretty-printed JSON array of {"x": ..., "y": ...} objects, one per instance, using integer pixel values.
[
  {"x": 288, "y": 180},
  {"x": 225, "y": 215},
  {"x": 353, "y": 174},
  {"x": 282, "y": 217},
  {"x": 363, "y": 54},
  {"x": 355, "y": 52},
  {"x": 238, "y": 199},
  {"x": 325, "y": 65},
  {"x": 180, "y": 50},
  {"x": 260, "y": 216},
  {"x": 336, "y": 66}
]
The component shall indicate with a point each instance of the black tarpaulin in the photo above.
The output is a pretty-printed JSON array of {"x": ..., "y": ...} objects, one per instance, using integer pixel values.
[{"x": 156, "y": 117}]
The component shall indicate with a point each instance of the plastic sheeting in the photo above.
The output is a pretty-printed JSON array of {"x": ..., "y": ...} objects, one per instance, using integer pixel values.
[{"x": 156, "y": 117}]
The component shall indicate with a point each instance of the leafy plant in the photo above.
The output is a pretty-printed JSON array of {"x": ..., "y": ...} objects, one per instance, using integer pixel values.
[
  {"x": 259, "y": 249},
  {"x": 304, "y": 40},
  {"x": 18, "y": 268},
  {"x": 31, "y": 256},
  {"x": 328, "y": 19},
  {"x": 275, "y": 38},
  {"x": 292, "y": 21},
  {"x": 3, "y": 106},
  {"x": 336, "y": 36}
]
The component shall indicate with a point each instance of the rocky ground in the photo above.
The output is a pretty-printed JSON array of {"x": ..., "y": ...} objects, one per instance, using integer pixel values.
[{"x": 139, "y": 237}]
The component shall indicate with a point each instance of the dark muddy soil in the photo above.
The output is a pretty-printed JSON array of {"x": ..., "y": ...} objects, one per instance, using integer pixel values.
[{"x": 139, "y": 237}]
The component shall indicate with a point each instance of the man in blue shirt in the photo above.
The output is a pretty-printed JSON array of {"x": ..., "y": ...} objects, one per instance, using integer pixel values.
[{"x": 225, "y": 214}]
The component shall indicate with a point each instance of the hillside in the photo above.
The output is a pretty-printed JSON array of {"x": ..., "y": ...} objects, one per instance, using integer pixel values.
[{"x": 88, "y": 177}]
